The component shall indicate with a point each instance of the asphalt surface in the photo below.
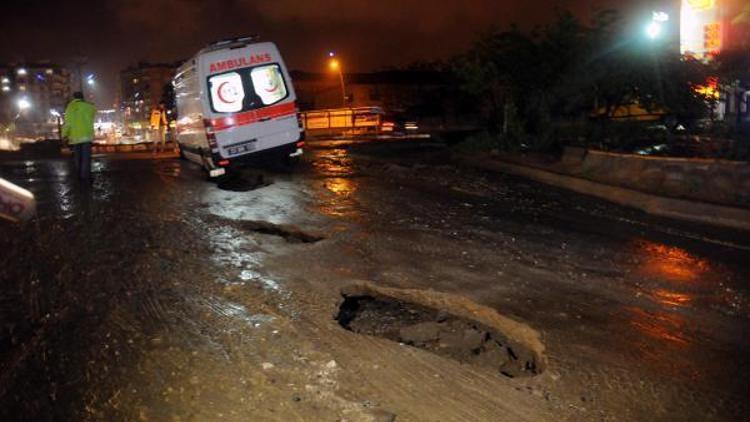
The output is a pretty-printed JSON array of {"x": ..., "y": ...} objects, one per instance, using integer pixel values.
[{"x": 156, "y": 295}]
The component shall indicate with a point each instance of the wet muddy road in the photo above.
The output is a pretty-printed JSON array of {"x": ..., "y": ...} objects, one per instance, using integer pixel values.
[{"x": 155, "y": 295}]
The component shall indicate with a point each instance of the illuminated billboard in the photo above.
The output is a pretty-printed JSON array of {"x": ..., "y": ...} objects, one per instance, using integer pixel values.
[{"x": 701, "y": 28}]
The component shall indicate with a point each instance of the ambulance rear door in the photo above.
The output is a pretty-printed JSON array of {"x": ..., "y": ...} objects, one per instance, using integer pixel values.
[{"x": 250, "y": 100}]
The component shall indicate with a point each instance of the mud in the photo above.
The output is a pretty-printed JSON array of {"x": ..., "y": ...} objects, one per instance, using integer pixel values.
[{"x": 153, "y": 295}]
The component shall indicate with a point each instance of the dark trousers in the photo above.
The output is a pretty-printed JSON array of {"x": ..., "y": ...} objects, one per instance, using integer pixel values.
[{"x": 82, "y": 160}]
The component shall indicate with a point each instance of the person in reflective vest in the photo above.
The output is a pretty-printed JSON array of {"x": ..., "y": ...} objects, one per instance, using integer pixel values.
[
  {"x": 78, "y": 131},
  {"x": 159, "y": 127}
]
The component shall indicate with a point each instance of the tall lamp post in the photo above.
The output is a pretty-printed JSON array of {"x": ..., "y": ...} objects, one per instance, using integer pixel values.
[
  {"x": 58, "y": 118},
  {"x": 655, "y": 32},
  {"x": 23, "y": 105},
  {"x": 335, "y": 66}
]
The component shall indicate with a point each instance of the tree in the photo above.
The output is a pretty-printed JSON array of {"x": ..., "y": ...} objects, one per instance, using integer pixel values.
[{"x": 567, "y": 71}]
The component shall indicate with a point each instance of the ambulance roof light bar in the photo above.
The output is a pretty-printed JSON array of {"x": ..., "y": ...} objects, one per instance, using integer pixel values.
[{"x": 238, "y": 40}]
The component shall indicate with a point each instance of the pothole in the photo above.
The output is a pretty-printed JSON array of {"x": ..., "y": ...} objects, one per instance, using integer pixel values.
[
  {"x": 446, "y": 325},
  {"x": 242, "y": 183},
  {"x": 291, "y": 234}
]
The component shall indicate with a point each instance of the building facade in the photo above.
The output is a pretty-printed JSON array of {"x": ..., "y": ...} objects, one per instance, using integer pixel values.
[
  {"x": 33, "y": 91},
  {"x": 708, "y": 27},
  {"x": 142, "y": 88}
]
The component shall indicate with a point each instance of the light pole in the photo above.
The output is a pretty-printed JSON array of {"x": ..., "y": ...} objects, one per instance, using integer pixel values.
[
  {"x": 655, "y": 33},
  {"x": 23, "y": 104},
  {"x": 335, "y": 66},
  {"x": 79, "y": 61},
  {"x": 58, "y": 118}
]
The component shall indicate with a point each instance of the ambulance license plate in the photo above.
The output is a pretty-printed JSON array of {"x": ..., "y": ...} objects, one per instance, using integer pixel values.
[{"x": 242, "y": 148}]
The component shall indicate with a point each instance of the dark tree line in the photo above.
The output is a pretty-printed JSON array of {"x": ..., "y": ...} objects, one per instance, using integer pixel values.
[{"x": 565, "y": 80}]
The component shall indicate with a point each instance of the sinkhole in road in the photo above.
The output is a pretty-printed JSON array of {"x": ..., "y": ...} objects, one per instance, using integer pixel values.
[
  {"x": 291, "y": 234},
  {"x": 440, "y": 332},
  {"x": 242, "y": 183}
]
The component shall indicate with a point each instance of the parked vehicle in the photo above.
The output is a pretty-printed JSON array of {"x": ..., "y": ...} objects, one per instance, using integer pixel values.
[{"x": 235, "y": 105}]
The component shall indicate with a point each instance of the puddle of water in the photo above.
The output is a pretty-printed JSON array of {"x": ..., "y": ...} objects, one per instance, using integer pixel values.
[
  {"x": 674, "y": 278},
  {"x": 338, "y": 199},
  {"x": 670, "y": 263},
  {"x": 278, "y": 203},
  {"x": 664, "y": 342},
  {"x": 232, "y": 248},
  {"x": 169, "y": 168},
  {"x": 662, "y": 326},
  {"x": 674, "y": 336},
  {"x": 337, "y": 196},
  {"x": 333, "y": 163},
  {"x": 250, "y": 275},
  {"x": 670, "y": 298}
]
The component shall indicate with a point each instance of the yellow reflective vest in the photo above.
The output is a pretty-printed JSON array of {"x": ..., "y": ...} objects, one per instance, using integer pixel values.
[
  {"x": 158, "y": 119},
  {"x": 79, "y": 122}
]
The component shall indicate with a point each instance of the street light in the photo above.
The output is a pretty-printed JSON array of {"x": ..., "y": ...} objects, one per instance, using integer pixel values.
[
  {"x": 23, "y": 104},
  {"x": 90, "y": 80},
  {"x": 335, "y": 66},
  {"x": 655, "y": 28}
]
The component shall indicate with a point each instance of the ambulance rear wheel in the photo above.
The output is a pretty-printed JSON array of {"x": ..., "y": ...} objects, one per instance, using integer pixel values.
[{"x": 290, "y": 163}]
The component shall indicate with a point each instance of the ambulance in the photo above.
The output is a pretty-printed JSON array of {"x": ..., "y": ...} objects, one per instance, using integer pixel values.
[{"x": 236, "y": 105}]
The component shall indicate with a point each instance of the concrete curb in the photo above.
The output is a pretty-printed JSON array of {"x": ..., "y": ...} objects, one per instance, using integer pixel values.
[{"x": 718, "y": 215}]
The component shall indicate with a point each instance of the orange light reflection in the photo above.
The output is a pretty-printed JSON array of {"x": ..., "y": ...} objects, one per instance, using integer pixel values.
[
  {"x": 662, "y": 326},
  {"x": 669, "y": 298},
  {"x": 342, "y": 203},
  {"x": 671, "y": 263}
]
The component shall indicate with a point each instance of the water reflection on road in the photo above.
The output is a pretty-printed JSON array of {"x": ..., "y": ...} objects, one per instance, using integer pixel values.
[
  {"x": 669, "y": 334},
  {"x": 670, "y": 263},
  {"x": 340, "y": 183}
]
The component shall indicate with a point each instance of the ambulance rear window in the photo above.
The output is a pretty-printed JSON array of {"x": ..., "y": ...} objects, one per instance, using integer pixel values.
[{"x": 247, "y": 89}]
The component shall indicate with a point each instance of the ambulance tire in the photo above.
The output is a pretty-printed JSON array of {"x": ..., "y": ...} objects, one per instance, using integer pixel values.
[
  {"x": 289, "y": 163},
  {"x": 205, "y": 164}
]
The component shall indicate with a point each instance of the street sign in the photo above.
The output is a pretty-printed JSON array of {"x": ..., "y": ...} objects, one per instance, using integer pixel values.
[{"x": 16, "y": 204}]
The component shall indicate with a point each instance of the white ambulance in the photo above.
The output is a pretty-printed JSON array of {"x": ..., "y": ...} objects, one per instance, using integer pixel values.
[{"x": 236, "y": 104}]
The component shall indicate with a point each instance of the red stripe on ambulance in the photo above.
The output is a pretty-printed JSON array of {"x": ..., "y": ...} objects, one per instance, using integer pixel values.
[{"x": 254, "y": 116}]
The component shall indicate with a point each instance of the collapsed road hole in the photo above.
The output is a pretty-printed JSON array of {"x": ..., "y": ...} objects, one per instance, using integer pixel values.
[
  {"x": 439, "y": 332},
  {"x": 289, "y": 233},
  {"x": 242, "y": 183}
]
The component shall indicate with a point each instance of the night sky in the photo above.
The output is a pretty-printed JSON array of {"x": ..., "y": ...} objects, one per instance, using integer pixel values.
[{"x": 368, "y": 35}]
